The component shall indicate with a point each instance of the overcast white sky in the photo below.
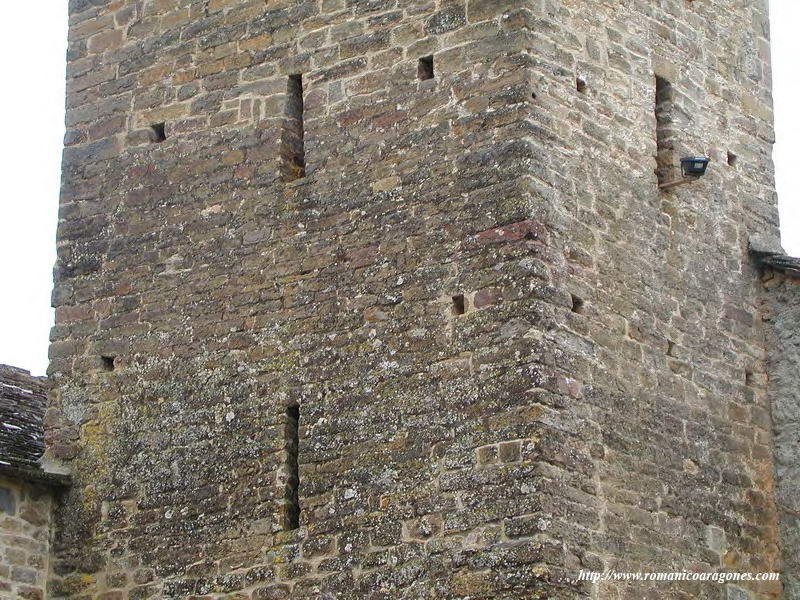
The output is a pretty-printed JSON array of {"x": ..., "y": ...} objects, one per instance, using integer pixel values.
[{"x": 33, "y": 72}]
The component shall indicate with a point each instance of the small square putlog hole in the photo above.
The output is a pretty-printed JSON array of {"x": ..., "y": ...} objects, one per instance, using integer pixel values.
[
  {"x": 732, "y": 158},
  {"x": 580, "y": 85},
  {"x": 425, "y": 68},
  {"x": 159, "y": 133},
  {"x": 577, "y": 304},
  {"x": 459, "y": 305},
  {"x": 107, "y": 362}
]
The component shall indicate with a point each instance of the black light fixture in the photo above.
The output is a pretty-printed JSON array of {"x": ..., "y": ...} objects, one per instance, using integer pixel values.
[{"x": 692, "y": 167}]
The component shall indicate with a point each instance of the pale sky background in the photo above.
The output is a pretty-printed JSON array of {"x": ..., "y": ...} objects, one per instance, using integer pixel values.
[{"x": 33, "y": 42}]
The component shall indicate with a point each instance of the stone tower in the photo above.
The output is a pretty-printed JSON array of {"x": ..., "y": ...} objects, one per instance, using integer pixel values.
[{"x": 381, "y": 299}]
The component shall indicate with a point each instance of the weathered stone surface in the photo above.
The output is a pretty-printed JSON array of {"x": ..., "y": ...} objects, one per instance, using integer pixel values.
[
  {"x": 782, "y": 315},
  {"x": 513, "y": 356},
  {"x": 8, "y": 503},
  {"x": 765, "y": 245},
  {"x": 25, "y": 525}
]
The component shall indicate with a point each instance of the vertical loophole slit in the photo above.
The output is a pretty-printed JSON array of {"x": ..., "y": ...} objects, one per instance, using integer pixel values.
[
  {"x": 293, "y": 154},
  {"x": 292, "y": 468},
  {"x": 665, "y": 99}
]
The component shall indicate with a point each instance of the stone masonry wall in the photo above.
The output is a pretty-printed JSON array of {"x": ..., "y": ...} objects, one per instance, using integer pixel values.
[
  {"x": 25, "y": 518},
  {"x": 782, "y": 312},
  {"x": 512, "y": 356}
]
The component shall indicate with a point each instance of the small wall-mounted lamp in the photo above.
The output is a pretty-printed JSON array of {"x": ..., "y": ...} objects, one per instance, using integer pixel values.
[{"x": 692, "y": 168}]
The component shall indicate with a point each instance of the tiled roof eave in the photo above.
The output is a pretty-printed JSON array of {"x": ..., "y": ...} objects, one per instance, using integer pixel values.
[{"x": 35, "y": 475}]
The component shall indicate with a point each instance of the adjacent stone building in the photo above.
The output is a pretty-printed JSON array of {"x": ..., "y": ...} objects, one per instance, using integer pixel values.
[
  {"x": 26, "y": 492},
  {"x": 781, "y": 312},
  {"x": 383, "y": 299}
]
